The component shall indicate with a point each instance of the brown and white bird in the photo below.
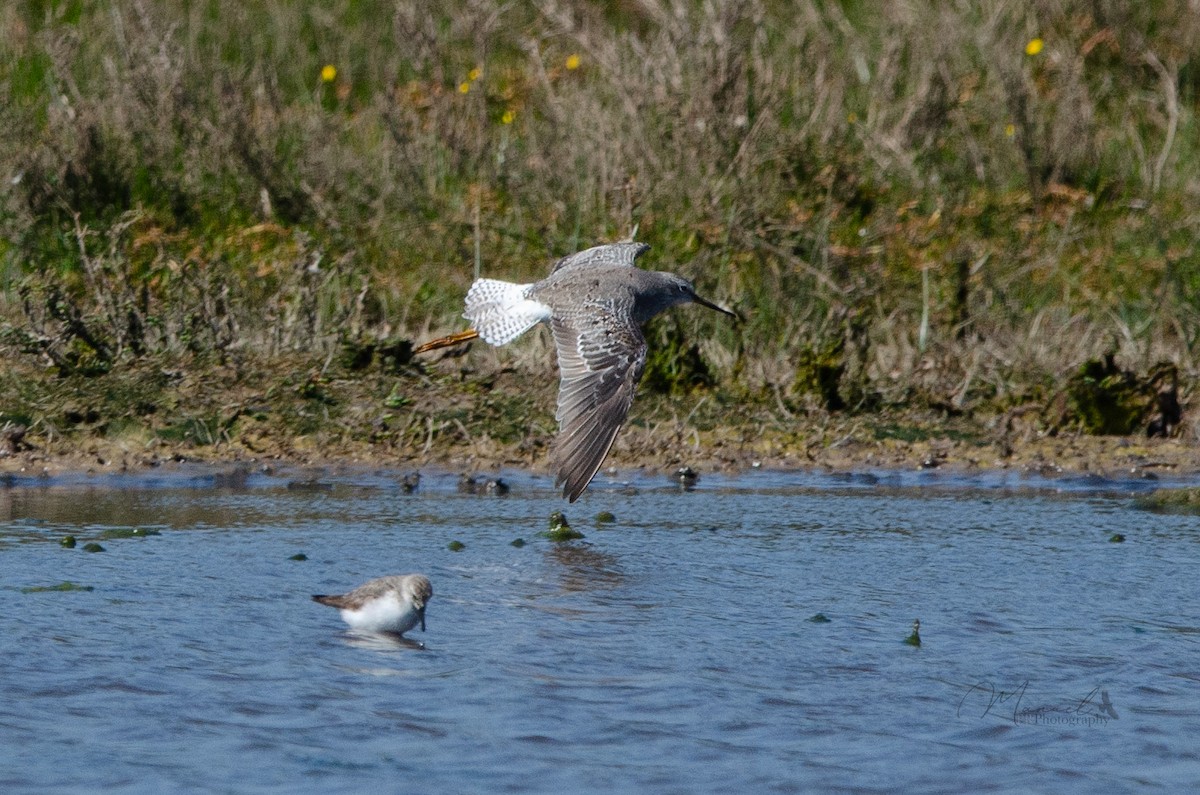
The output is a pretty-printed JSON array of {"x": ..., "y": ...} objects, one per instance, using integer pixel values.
[
  {"x": 595, "y": 302},
  {"x": 392, "y": 604}
]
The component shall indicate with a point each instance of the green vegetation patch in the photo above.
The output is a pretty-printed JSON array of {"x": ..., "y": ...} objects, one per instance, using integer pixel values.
[
  {"x": 66, "y": 585},
  {"x": 127, "y": 532},
  {"x": 1184, "y": 501}
]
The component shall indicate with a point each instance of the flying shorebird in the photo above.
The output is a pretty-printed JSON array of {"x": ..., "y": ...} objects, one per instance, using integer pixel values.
[
  {"x": 595, "y": 302},
  {"x": 392, "y": 604}
]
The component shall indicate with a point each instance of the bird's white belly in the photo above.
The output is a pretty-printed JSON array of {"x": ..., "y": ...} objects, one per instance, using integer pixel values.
[{"x": 382, "y": 615}]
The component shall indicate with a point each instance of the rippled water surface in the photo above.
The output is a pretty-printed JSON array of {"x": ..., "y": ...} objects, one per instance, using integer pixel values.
[{"x": 673, "y": 650}]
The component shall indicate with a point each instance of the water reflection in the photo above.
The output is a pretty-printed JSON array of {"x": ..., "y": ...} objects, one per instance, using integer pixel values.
[
  {"x": 381, "y": 641},
  {"x": 582, "y": 567}
]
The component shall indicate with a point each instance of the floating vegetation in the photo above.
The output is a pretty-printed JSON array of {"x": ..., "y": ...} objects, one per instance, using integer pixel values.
[
  {"x": 93, "y": 547},
  {"x": 1116, "y": 538},
  {"x": 604, "y": 517},
  {"x": 127, "y": 532},
  {"x": 915, "y": 638},
  {"x": 1171, "y": 501},
  {"x": 821, "y": 618},
  {"x": 67, "y": 542},
  {"x": 560, "y": 529},
  {"x": 563, "y": 534},
  {"x": 456, "y": 546},
  {"x": 299, "y": 556},
  {"x": 66, "y": 585}
]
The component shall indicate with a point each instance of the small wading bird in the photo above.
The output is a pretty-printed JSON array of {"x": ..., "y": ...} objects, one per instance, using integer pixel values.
[
  {"x": 392, "y": 604},
  {"x": 595, "y": 302}
]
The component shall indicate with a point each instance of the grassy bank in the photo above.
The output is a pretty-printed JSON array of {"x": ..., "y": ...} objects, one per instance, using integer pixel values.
[{"x": 947, "y": 207}]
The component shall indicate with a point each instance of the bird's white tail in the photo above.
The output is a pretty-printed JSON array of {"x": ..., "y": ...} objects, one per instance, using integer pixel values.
[{"x": 500, "y": 312}]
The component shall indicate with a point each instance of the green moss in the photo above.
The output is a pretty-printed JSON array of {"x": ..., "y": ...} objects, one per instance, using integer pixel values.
[
  {"x": 1116, "y": 538},
  {"x": 62, "y": 586},
  {"x": 127, "y": 532},
  {"x": 68, "y": 542},
  {"x": 456, "y": 546},
  {"x": 562, "y": 534},
  {"x": 819, "y": 373},
  {"x": 605, "y": 517},
  {"x": 92, "y": 546},
  {"x": 1183, "y": 501},
  {"x": 560, "y": 529}
]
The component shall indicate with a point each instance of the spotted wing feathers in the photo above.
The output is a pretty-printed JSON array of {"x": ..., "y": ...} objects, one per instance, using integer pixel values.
[
  {"x": 600, "y": 358},
  {"x": 611, "y": 254}
]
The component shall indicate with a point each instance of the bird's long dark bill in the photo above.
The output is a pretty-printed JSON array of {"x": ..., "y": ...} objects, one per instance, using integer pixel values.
[
  {"x": 711, "y": 305},
  {"x": 422, "y": 619}
]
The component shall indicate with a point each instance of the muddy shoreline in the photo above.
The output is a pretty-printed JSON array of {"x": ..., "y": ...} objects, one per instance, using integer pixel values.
[{"x": 727, "y": 452}]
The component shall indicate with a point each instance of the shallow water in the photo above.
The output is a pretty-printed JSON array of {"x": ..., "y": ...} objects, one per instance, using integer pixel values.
[{"x": 670, "y": 651}]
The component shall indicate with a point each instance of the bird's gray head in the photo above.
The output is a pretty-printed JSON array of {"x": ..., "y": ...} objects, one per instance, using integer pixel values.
[
  {"x": 671, "y": 290},
  {"x": 420, "y": 593}
]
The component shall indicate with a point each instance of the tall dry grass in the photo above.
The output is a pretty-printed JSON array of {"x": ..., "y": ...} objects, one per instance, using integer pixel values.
[{"x": 914, "y": 190}]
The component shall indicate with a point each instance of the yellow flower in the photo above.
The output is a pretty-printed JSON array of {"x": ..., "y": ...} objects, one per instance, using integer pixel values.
[
  {"x": 1010, "y": 130},
  {"x": 464, "y": 87},
  {"x": 474, "y": 74},
  {"x": 573, "y": 61},
  {"x": 328, "y": 73},
  {"x": 508, "y": 116},
  {"x": 1034, "y": 46}
]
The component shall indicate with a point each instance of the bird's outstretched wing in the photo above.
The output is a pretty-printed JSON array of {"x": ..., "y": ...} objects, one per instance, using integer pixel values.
[
  {"x": 601, "y": 356},
  {"x": 618, "y": 254}
]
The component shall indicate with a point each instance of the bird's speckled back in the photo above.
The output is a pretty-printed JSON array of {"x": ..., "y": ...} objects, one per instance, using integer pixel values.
[{"x": 624, "y": 291}]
